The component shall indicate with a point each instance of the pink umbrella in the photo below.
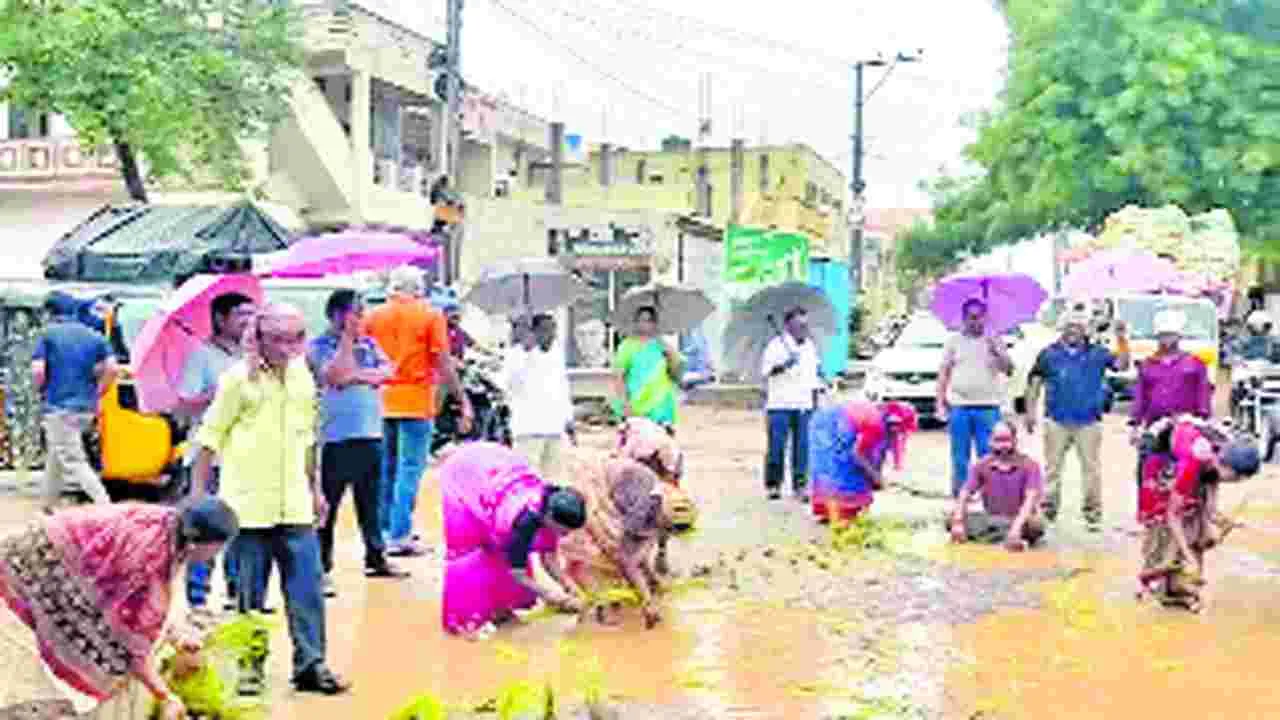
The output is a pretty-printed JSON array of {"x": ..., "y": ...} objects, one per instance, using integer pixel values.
[
  {"x": 1115, "y": 271},
  {"x": 344, "y": 253},
  {"x": 1011, "y": 299},
  {"x": 169, "y": 337}
]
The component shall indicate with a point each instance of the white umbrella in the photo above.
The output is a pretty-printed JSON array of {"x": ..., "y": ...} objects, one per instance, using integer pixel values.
[
  {"x": 754, "y": 325},
  {"x": 680, "y": 309},
  {"x": 524, "y": 286}
]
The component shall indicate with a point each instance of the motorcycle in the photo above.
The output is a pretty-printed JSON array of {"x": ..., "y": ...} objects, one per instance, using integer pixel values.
[
  {"x": 492, "y": 414},
  {"x": 1255, "y": 403}
]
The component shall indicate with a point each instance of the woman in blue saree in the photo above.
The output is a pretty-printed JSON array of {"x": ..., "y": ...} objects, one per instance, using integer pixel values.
[{"x": 847, "y": 447}]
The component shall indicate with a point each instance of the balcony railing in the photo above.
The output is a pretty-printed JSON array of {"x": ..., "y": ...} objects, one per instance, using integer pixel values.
[{"x": 54, "y": 159}]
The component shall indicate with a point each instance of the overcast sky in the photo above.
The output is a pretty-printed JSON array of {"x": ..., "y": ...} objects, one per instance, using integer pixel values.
[{"x": 628, "y": 71}]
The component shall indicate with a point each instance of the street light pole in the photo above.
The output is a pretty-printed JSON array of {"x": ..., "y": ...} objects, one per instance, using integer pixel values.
[{"x": 857, "y": 185}]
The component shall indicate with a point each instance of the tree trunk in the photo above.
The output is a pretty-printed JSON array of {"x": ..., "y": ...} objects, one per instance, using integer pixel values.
[{"x": 130, "y": 172}]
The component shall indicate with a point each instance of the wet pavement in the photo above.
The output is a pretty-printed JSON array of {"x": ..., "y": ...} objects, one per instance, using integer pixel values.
[{"x": 767, "y": 620}]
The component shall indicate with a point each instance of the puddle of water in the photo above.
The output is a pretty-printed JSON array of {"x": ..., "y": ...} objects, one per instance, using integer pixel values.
[
  {"x": 736, "y": 660},
  {"x": 1092, "y": 652}
]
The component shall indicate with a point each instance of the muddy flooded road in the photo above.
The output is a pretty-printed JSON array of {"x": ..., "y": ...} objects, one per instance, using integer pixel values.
[{"x": 768, "y": 619}]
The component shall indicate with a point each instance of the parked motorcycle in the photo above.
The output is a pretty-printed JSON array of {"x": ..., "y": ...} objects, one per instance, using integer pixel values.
[
  {"x": 492, "y": 416},
  {"x": 1255, "y": 403}
]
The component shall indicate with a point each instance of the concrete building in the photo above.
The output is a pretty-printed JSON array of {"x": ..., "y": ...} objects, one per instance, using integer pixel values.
[
  {"x": 882, "y": 292},
  {"x": 362, "y": 143},
  {"x": 785, "y": 187}
]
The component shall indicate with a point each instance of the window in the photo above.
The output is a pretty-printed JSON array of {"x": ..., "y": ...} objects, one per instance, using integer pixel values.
[
  {"x": 642, "y": 168},
  {"x": 26, "y": 124},
  {"x": 764, "y": 173}
]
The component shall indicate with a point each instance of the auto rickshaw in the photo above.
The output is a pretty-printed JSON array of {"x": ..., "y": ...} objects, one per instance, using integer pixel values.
[{"x": 138, "y": 455}]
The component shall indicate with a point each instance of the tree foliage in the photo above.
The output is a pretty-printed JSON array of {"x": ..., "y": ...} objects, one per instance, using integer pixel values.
[
  {"x": 1116, "y": 102},
  {"x": 179, "y": 83}
]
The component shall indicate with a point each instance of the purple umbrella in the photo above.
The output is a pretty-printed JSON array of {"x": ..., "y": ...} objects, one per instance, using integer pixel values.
[
  {"x": 344, "y": 253},
  {"x": 1116, "y": 271},
  {"x": 1011, "y": 299}
]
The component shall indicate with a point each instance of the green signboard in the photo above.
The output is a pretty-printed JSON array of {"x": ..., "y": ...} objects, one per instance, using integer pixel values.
[{"x": 755, "y": 258}]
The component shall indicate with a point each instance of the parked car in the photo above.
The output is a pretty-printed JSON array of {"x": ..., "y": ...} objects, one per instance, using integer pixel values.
[{"x": 907, "y": 371}]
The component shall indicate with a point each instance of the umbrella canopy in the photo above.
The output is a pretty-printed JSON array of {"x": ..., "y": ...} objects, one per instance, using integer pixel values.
[
  {"x": 345, "y": 253},
  {"x": 680, "y": 309},
  {"x": 1011, "y": 299},
  {"x": 757, "y": 322},
  {"x": 1114, "y": 271},
  {"x": 524, "y": 286},
  {"x": 170, "y": 336},
  {"x": 140, "y": 243}
]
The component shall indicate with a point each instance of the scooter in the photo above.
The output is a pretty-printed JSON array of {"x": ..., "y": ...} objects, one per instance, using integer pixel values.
[
  {"x": 1255, "y": 403},
  {"x": 492, "y": 415}
]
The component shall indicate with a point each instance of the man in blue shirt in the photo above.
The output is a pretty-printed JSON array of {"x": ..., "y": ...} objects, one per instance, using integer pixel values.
[
  {"x": 350, "y": 367},
  {"x": 72, "y": 365},
  {"x": 1074, "y": 370}
]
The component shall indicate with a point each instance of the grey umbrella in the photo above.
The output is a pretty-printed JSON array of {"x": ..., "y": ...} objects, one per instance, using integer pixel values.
[
  {"x": 758, "y": 321},
  {"x": 680, "y": 309},
  {"x": 524, "y": 286}
]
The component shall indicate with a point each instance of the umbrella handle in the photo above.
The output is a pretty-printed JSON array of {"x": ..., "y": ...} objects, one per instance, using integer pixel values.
[
  {"x": 773, "y": 323},
  {"x": 528, "y": 300}
]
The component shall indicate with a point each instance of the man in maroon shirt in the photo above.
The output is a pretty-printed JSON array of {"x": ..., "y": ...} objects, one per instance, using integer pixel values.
[
  {"x": 1011, "y": 486},
  {"x": 1171, "y": 382}
]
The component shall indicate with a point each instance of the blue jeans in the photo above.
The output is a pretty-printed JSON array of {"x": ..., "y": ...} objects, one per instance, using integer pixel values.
[
  {"x": 407, "y": 444},
  {"x": 970, "y": 427},
  {"x": 783, "y": 425},
  {"x": 296, "y": 550},
  {"x": 199, "y": 575}
]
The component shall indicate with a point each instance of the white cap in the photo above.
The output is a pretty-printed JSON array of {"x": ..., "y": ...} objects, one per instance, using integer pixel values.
[
  {"x": 1170, "y": 322},
  {"x": 1257, "y": 319},
  {"x": 406, "y": 279},
  {"x": 1074, "y": 318}
]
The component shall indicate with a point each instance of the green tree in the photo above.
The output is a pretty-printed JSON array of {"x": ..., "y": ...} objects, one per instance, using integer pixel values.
[
  {"x": 175, "y": 83},
  {"x": 1115, "y": 102}
]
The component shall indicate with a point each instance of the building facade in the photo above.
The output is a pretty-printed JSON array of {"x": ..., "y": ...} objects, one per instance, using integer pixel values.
[{"x": 789, "y": 188}]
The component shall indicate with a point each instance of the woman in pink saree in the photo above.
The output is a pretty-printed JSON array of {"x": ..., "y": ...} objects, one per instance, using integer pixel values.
[
  {"x": 500, "y": 519},
  {"x": 84, "y": 596}
]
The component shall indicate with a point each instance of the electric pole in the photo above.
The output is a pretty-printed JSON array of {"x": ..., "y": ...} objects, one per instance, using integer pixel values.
[
  {"x": 857, "y": 186},
  {"x": 453, "y": 66},
  {"x": 452, "y": 135}
]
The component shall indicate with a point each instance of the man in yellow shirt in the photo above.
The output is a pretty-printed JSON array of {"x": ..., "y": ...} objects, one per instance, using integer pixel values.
[
  {"x": 415, "y": 336},
  {"x": 261, "y": 426}
]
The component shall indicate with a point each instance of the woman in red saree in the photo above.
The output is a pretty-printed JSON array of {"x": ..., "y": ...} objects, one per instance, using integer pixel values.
[
  {"x": 848, "y": 445},
  {"x": 1186, "y": 459},
  {"x": 84, "y": 597}
]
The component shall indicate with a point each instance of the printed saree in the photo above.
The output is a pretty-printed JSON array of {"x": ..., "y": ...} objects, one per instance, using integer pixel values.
[
  {"x": 622, "y": 518},
  {"x": 84, "y": 597}
]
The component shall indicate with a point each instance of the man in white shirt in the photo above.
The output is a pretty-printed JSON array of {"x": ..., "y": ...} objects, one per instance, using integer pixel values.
[
  {"x": 537, "y": 383},
  {"x": 790, "y": 367}
]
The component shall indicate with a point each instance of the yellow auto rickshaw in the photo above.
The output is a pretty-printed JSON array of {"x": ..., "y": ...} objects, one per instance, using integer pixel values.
[{"x": 137, "y": 454}]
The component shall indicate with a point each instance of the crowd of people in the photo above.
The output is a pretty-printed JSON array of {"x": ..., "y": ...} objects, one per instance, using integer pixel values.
[{"x": 283, "y": 426}]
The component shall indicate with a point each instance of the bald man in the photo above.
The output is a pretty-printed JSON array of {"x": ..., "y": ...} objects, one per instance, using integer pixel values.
[{"x": 261, "y": 426}]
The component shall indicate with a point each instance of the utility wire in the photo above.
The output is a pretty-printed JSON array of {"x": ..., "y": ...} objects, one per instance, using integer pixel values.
[
  {"x": 602, "y": 72},
  {"x": 691, "y": 45},
  {"x": 722, "y": 31},
  {"x": 631, "y": 33}
]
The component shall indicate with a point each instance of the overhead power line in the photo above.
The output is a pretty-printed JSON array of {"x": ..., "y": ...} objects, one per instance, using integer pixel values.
[
  {"x": 630, "y": 32},
  {"x": 722, "y": 31},
  {"x": 613, "y": 77}
]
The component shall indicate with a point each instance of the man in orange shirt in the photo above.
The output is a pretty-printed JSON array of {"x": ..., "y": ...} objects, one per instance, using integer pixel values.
[{"x": 415, "y": 337}]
